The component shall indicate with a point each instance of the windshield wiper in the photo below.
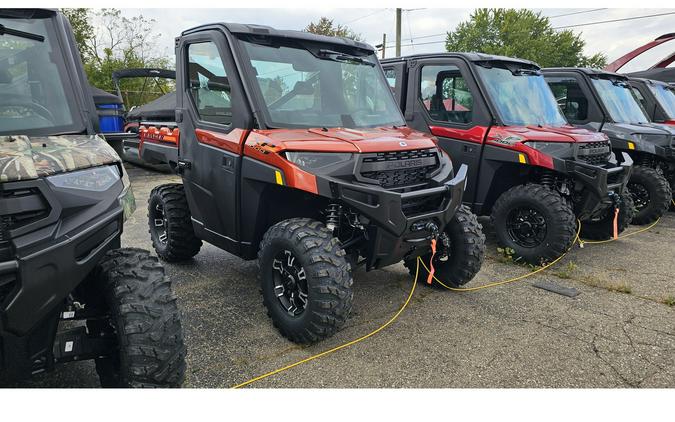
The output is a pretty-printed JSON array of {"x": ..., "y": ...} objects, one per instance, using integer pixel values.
[
  {"x": 340, "y": 57},
  {"x": 9, "y": 31}
]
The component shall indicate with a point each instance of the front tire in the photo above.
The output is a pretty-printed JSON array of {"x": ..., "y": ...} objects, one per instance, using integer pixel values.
[
  {"x": 651, "y": 194},
  {"x": 143, "y": 317},
  {"x": 466, "y": 254},
  {"x": 536, "y": 222},
  {"x": 170, "y": 224},
  {"x": 603, "y": 228},
  {"x": 305, "y": 280}
]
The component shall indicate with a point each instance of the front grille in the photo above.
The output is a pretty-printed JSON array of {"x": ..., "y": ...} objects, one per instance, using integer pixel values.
[
  {"x": 400, "y": 168},
  {"x": 24, "y": 206},
  {"x": 7, "y": 285},
  {"x": 594, "y": 153}
]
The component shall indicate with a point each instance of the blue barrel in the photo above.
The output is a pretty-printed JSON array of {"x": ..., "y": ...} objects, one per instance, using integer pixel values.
[{"x": 110, "y": 110}]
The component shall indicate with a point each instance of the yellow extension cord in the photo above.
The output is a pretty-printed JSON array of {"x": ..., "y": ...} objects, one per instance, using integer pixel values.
[{"x": 412, "y": 290}]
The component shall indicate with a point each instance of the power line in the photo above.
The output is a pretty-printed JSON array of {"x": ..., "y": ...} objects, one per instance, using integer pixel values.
[
  {"x": 365, "y": 16},
  {"x": 614, "y": 20},
  {"x": 576, "y": 13},
  {"x": 558, "y": 27}
]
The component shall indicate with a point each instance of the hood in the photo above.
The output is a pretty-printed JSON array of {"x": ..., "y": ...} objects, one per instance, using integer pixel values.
[
  {"x": 348, "y": 140},
  {"x": 654, "y": 132},
  {"x": 510, "y": 134},
  {"x": 25, "y": 158}
]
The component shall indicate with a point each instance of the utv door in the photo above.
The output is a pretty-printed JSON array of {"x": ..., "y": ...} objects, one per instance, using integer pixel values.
[
  {"x": 210, "y": 113},
  {"x": 443, "y": 98}
]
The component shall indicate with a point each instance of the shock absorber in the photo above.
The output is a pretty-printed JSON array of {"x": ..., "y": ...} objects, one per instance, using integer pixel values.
[
  {"x": 333, "y": 212},
  {"x": 547, "y": 179}
]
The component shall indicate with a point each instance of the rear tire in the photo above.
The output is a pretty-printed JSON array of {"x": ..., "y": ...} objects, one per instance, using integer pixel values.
[
  {"x": 144, "y": 318},
  {"x": 467, "y": 251},
  {"x": 170, "y": 224},
  {"x": 536, "y": 222},
  {"x": 603, "y": 229},
  {"x": 305, "y": 280},
  {"x": 651, "y": 194}
]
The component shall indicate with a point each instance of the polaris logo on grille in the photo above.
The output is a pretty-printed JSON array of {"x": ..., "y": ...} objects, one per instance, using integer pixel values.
[
  {"x": 403, "y": 144},
  {"x": 594, "y": 151},
  {"x": 405, "y": 164}
]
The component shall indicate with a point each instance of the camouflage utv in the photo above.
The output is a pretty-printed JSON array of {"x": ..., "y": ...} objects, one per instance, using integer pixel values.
[{"x": 67, "y": 290}]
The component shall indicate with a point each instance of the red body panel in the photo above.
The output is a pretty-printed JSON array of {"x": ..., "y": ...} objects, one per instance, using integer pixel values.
[
  {"x": 513, "y": 137},
  {"x": 232, "y": 142},
  {"x": 476, "y": 134}
]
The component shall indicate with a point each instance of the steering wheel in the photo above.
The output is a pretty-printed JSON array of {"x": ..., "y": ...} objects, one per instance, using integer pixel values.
[{"x": 15, "y": 100}]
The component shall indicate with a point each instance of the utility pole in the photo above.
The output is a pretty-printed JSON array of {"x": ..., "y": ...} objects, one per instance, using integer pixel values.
[
  {"x": 384, "y": 44},
  {"x": 398, "y": 32}
]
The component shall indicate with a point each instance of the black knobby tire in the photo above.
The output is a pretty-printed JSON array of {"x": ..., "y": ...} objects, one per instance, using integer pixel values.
[
  {"x": 603, "y": 228},
  {"x": 328, "y": 279},
  {"x": 672, "y": 189},
  {"x": 143, "y": 317},
  {"x": 551, "y": 207},
  {"x": 175, "y": 241},
  {"x": 651, "y": 194},
  {"x": 467, "y": 251}
]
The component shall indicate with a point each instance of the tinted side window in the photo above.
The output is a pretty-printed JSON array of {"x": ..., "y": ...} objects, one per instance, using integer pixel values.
[
  {"x": 390, "y": 74},
  {"x": 638, "y": 95},
  {"x": 570, "y": 98},
  {"x": 209, "y": 87},
  {"x": 445, "y": 94}
]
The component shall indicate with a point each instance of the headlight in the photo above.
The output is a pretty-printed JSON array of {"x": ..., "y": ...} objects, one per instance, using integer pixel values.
[
  {"x": 96, "y": 179},
  {"x": 560, "y": 149},
  {"x": 127, "y": 199},
  {"x": 317, "y": 160}
]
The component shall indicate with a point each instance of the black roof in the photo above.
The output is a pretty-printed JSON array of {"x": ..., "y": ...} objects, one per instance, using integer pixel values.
[
  {"x": 584, "y": 70},
  {"x": 163, "y": 108},
  {"x": 143, "y": 73},
  {"x": 239, "y": 28},
  {"x": 470, "y": 56},
  {"x": 104, "y": 97},
  {"x": 663, "y": 74}
]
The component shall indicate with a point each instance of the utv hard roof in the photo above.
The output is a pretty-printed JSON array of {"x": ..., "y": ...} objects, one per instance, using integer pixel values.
[
  {"x": 586, "y": 71},
  {"x": 27, "y": 13},
  {"x": 470, "y": 56},
  {"x": 262, "y": 30},
  {"x": 663, "y": 74}
]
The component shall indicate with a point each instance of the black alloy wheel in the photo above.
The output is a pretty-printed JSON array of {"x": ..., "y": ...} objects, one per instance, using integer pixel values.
[
  {"x": 290, "y": 283},
  {"x": 526, "y": 226}
]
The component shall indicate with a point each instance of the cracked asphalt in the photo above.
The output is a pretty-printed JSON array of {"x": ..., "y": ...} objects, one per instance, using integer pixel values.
[{"x": 617, "y": 332}]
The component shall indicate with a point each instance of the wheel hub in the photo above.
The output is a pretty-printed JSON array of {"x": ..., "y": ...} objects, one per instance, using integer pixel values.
[
  {"x": 160, "y": 224},
  {"x": 526, "y": 227},
  {"x": 290, "y": 283},
  {"x": 640, "y": 195}
]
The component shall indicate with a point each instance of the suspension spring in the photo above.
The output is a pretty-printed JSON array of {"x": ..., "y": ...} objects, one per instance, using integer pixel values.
[
  {"x": 547, "y": 179},
  {"x": 333, "y": 212}
]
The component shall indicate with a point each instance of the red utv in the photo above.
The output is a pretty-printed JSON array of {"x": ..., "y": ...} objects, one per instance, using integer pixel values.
[
  {"x": 528, "y": 168},
  {"x": 292, "y": 151}
]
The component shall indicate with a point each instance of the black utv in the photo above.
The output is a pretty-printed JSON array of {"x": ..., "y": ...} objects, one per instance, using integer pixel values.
[
  {"x": 605, "y": 102},
  {"x": 67, "y": 290}
]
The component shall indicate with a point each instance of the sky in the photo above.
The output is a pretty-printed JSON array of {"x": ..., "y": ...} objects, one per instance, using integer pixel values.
[{"x": 424, "y": 25}]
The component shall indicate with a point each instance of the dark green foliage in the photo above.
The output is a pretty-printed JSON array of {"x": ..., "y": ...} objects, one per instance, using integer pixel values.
[{"x": 521, "y": 33}]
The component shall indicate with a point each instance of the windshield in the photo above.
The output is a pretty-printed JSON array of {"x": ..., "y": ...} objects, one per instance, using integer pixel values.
[
  {"x": 619, "y": 100},
  {"x": 325, "y": 88},
  {"x": 522, "y": 97},
  {"x": 35, "y": 95},
  {"x": 665, "y": 96}
]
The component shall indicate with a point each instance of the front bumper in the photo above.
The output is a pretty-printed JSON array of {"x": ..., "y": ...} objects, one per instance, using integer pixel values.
[
  {"x": 55, "y": 253},
  {"x": 598, "y": 182},
  {"x": 394, "y": 231}
]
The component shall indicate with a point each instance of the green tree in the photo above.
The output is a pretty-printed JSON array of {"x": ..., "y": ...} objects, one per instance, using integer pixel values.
[
  {"x": 82, "y": 29},
  {"x": 325, "y": 26},
  {"x": 521, "y": 33},
  {"x": 114, "y": 42}
]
